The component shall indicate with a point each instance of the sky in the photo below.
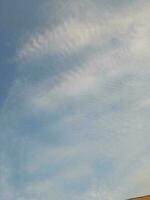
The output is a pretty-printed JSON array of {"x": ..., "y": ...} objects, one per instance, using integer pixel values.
[{"x": 74, "y": 99}]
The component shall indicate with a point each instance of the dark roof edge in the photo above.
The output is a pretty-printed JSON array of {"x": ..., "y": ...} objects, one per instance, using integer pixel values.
[{"x": 139, "y": 197}]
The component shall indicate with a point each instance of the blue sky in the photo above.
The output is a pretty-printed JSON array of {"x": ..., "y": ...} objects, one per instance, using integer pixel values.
[{"x": 74, "y": 99}]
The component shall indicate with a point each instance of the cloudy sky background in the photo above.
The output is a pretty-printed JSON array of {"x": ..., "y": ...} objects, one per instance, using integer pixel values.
[{"x": 74, "y": 99}]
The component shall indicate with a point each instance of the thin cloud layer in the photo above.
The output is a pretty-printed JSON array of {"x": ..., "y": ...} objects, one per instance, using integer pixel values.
[{"x": 76, "y": 122}]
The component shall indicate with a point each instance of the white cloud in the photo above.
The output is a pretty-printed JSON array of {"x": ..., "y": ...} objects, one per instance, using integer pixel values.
[
  {"x": 64, "y": 39},
  {"x": 131, "y": 27},
  {"x": 96, "y": 129},
  {"x": 81, "y": 82}
]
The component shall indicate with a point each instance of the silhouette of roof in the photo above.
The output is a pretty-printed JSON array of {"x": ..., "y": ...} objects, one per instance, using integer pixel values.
[{"x": 147, "y": 197}]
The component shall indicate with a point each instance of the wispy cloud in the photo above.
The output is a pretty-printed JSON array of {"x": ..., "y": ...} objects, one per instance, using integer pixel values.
[
  {"x": 130, "y": 27},
  {"x": 66, "y": 38},
  {"x": 85, "y": 134}
]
